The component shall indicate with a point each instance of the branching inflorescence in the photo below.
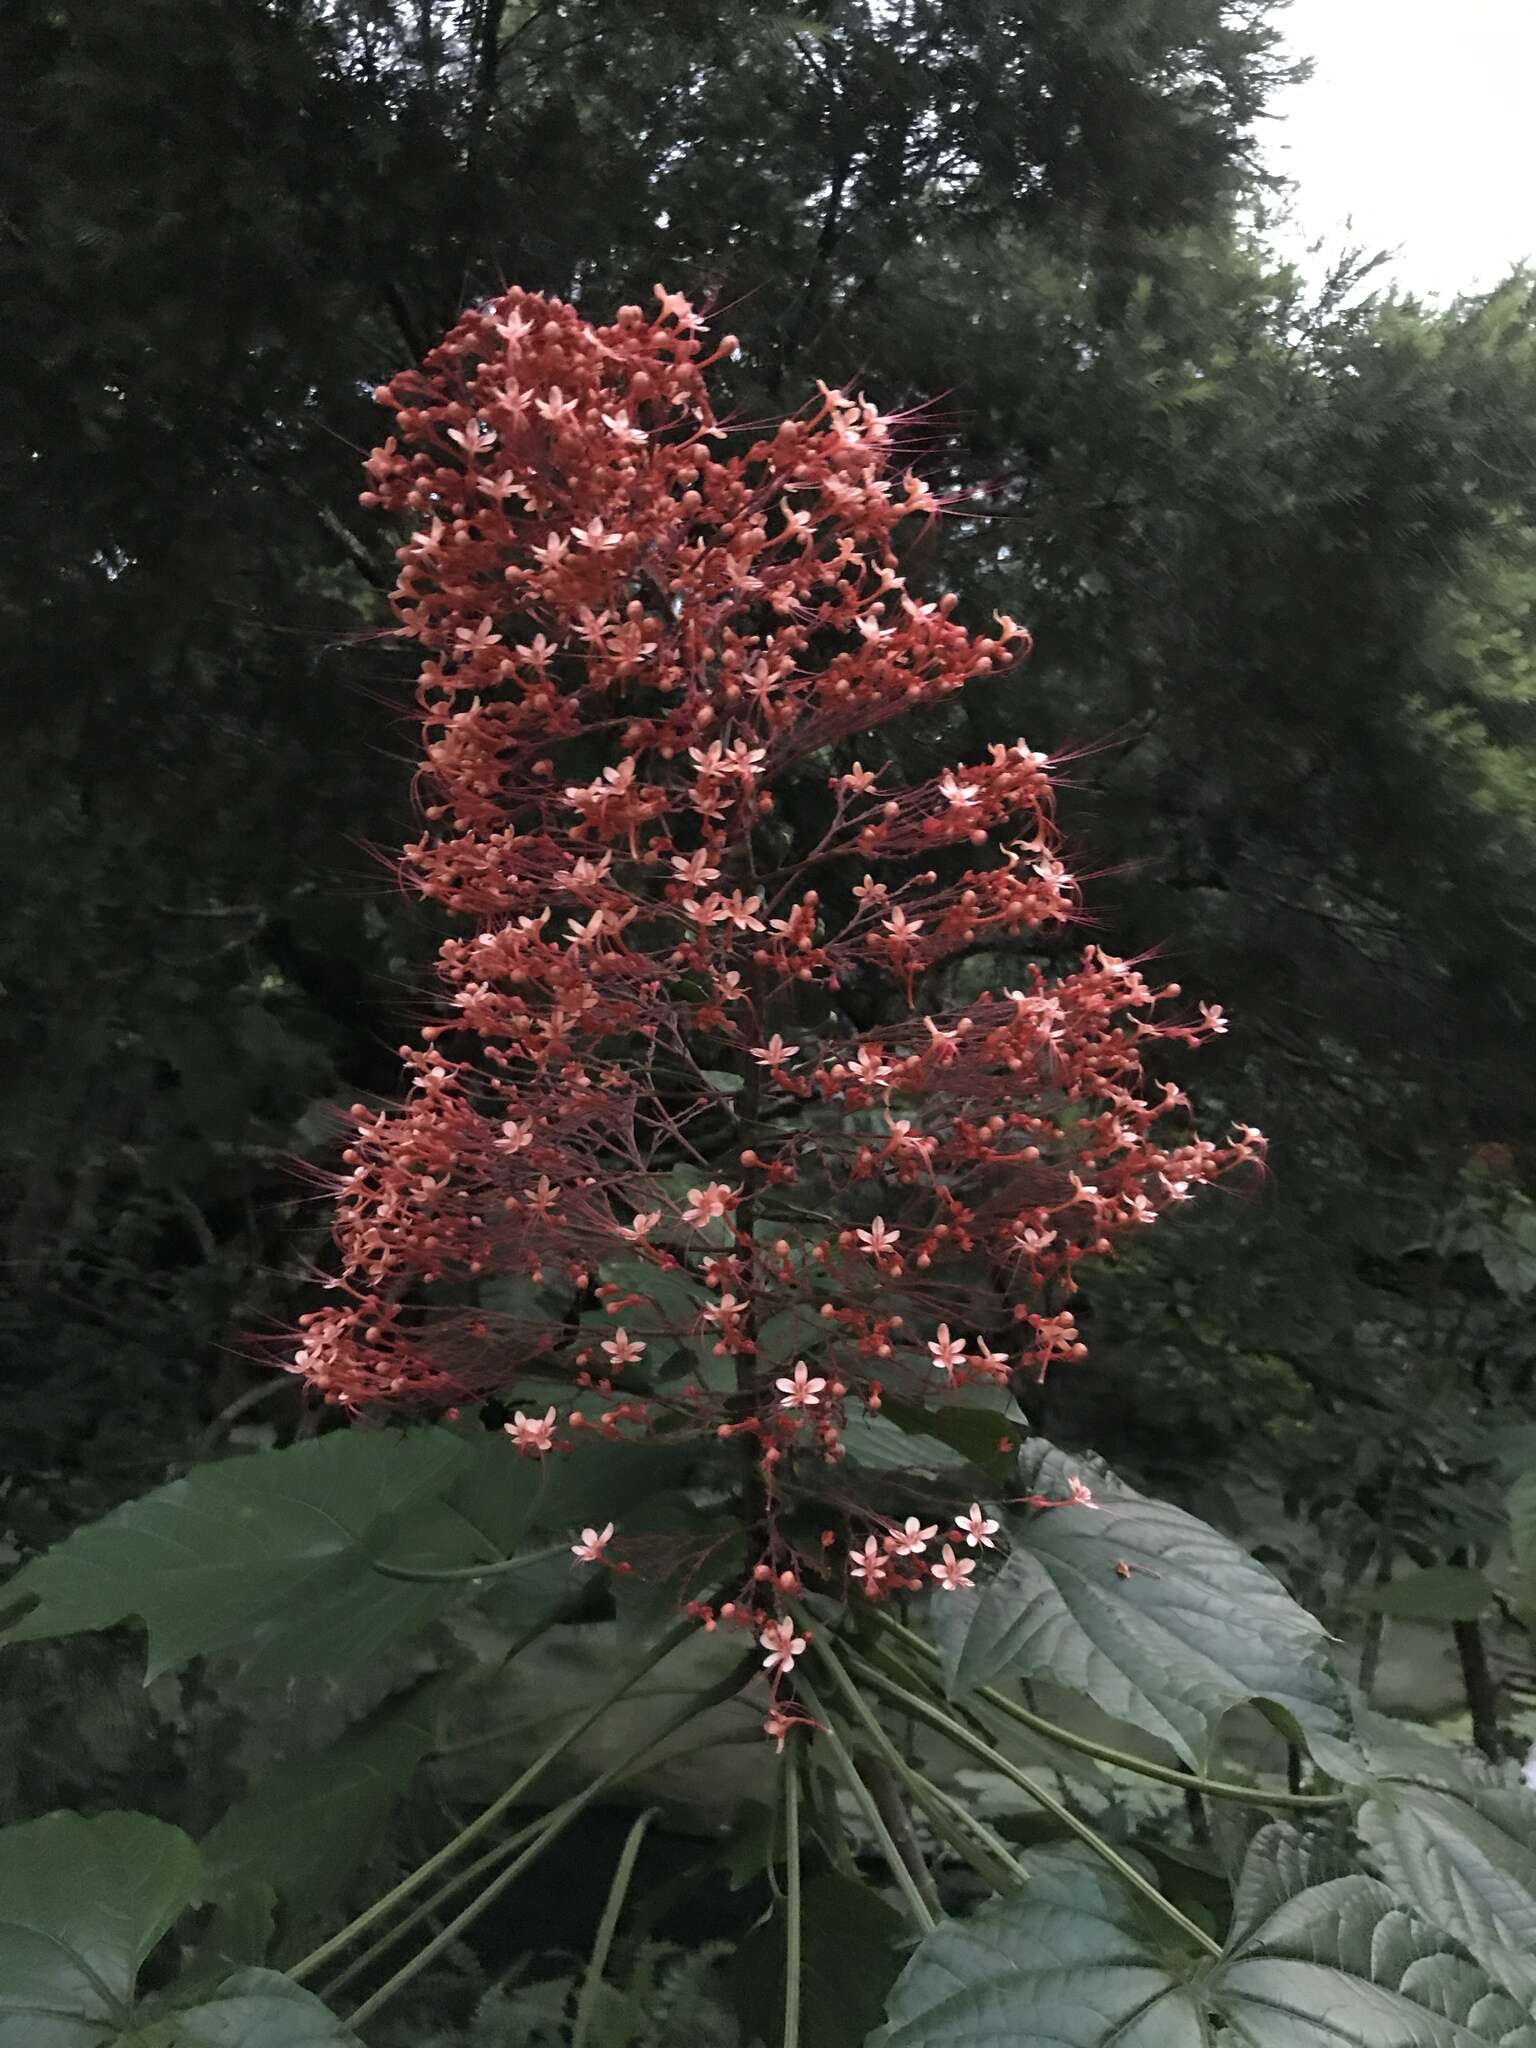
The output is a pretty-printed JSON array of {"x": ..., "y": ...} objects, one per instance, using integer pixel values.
[{"x": 650, "y": 646}]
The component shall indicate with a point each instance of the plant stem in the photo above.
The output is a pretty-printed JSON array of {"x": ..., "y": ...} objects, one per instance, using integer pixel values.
[
  {"x": 886, "y": 1788},
  {"x": 966, "y": 1738},
  {"x": 445, "y": 1938},
  {"x": 792, "y": 1964},
  {"x": 897, "y": 1767},
  {"x": 488, "y": 1817},
  {"x": 1122, "y": 1759},
  {"x": 980, "y": 1846},
  {"x": 429, "y": 1905},
  {"x": 864, "y": 1799},
  {"x": 592, "y": 1983},
  {"x": 450, "y": 1573}
]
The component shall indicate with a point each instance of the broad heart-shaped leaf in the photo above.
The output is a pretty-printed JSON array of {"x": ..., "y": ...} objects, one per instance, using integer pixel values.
[
  {"x": 306, "y": 1825},
  {"x": 1458, "y": 1842},
  {"x": 82, "y": 1903},
  {"x": 1076, "y": 1960},
  {"x": 268, "y": 1557},
  {"x": 1159, "y": 1620}
]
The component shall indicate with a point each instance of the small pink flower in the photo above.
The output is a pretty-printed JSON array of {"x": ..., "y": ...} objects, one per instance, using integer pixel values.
[
  {"x": 593, "y": 1544},
  {"x": 1079, "y": 1493},
  {"x": 976, "y": 1528},
  {"x": 948, "y": 1352},
  {"x": 911, "y": 1540},
  {"x": 953, "y": 1574},
  {"x": 622, "y": 1348},
  {"x": 533, "y": 1435},
  {"x": 774, "y": 1053},
  {"x": 870, "y": 1565},
  {"x": 800, "y": 1390},
  {"x": 709, "y": 1204},
  {"x": 778, "y": 1638},
  {"x": 878, "y": 1241}
]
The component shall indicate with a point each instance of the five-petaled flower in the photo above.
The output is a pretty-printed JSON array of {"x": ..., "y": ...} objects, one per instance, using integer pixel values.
[
  {"x": 799, "y": 1390},
  {"x": 622, "y": 1348},
  {"x": 953, "y": 1574},
  {"x": 533, "y": 1434},
  {"x": 977, "y": 1527},
  {"x": 911, "y": 1539},
  {"x": 593, "y": 1545},
  {"x": 870, "y": 1564},
  {"x": 778, "y": 1638},
  {"x": 948, "y": 1352},
  {"x": 709, "y": 1204}
]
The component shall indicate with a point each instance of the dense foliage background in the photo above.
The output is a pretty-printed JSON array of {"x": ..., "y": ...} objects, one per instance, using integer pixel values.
[{"x": 1275, "y": 542}]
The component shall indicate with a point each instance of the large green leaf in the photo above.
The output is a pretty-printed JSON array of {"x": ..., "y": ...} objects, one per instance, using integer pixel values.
[
  {"x": 1458, "y": 1841},
  {"x": 266, "y": 1557},
  {"x": 1159, "y": 1620},
  {"x": 82, "y": 1904},
  {"x": 306, "y": 1825},
  {"x": 1076, "y": 1960}
]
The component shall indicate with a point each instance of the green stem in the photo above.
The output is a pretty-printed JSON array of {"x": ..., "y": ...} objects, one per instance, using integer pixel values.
[
  {"x": 970, "y": 1838},
  {"x": 363, "y": 1962},
  {"x": 978, "y": 1746},
  {"x": 826, "y": 1732},
  {"x": 434, "y": 1575},
  {"x": 592, "y": 1983},
  {"x": 792, "y": 1906},
  {"x": 900, "y": 1773},
  {"x": 446, "y": 1936},
  {"x": 1121, "y": 1759},
  {"x": 488, "y": 1817}
]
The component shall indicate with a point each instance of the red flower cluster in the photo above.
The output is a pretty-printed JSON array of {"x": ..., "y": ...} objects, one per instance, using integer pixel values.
[{"x": 648, "y": 643}]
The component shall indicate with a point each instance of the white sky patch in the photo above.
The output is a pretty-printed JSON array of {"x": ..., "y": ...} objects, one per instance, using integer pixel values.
[{"x": 1416, "y": 133}]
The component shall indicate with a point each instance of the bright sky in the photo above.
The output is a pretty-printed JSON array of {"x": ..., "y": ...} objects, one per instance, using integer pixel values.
[{"x": 1418, "y": 125}]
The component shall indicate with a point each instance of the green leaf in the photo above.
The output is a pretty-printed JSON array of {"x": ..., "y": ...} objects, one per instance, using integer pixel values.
[
  {"x": 1458, "y": 1842},
  {"x": 238, "y": 1937},
  {"x": 880, "y": 1444},
  {"x": 1075, "y": 1960},
  {"x": 721, "y": 1080},
  {"x": 251, "y": 2009},
  {"x": 1193, "y": 1627},
  {"x": 82, "y": 1903},
  {"x": 975, "y": 1429},
  {"x": 849, "y": 1960},
  {"x": 266, "y": 1557},
  {"x": 1438, "y": 1592},
  {"x": 305, "y": 1826}
]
